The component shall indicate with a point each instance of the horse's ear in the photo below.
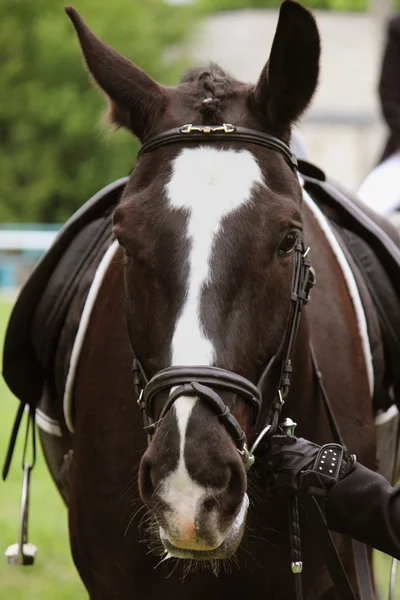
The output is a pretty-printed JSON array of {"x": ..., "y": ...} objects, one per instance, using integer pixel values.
[
  {"x": 136, "y": 100},
  {"x": 289, "y": 79}
]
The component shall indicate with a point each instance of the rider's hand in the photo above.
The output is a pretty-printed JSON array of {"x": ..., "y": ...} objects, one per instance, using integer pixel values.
[{"x": 295, "y": 464}]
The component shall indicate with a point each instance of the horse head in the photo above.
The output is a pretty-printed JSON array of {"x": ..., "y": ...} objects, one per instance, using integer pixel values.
[{"x": 209, "y": 232}]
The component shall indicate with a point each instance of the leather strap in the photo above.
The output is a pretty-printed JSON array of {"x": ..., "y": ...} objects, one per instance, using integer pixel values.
[
  {"x": 213, "y": 400},
  {"x": 332, "y": 558},
  {"x": 206, "y": 376},
  {"x": 218, "y": 133},
  {"x": 13, "y": 439},
  {"x": 363, "y": 571}
]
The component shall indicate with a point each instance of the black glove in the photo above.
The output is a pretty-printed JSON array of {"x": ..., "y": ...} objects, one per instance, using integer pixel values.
[{"x": 297, "y": 465}]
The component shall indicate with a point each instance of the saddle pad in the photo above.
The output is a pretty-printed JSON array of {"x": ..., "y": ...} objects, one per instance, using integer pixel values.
[
  {"x": 79, "y": 334},
  {"x": 377, "y": 256},
  {"x": 41, "y": 307},
  {"x": 352, "y": 215},
  {"x": 350, "y": 282}
]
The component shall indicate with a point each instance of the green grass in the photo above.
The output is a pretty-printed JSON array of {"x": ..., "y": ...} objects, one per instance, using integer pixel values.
[{"x": 53, "y": 576}]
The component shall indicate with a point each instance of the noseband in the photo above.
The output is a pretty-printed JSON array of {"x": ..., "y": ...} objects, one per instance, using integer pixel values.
[{"x": 202, "y": 381}]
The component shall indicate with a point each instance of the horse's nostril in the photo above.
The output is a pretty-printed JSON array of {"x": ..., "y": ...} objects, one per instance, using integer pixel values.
[
  {"x": 210, "y": 504},
  {"x": 236, "y": 487},
  {"x": 146, "y": 486}
]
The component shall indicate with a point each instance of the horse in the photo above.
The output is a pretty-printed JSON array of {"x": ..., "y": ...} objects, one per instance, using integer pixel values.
[{"x": 210, "y": 231}]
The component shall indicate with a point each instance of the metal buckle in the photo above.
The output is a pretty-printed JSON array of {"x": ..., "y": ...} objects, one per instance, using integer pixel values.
[
  {"x": 247, "y": 457},
  {"x": 139, "y": 400},
  {"x": 225, "y": 128}
]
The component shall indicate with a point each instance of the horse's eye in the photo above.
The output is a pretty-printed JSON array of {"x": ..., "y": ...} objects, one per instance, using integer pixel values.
[{"x": 288, "y": 243}]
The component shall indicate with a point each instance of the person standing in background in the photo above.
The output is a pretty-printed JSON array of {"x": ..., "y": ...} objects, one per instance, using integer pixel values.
[{"x": 381, "y": 188}]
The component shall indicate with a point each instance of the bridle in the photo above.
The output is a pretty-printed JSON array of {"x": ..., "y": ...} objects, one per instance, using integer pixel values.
[{"x": 203, "y": 381}]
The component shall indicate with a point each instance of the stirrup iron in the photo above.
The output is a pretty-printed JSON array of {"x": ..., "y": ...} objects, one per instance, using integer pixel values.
[{"x": 23, "y": 553}]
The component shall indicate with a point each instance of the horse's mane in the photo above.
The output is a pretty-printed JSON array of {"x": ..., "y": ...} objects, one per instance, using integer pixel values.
[{"x": 212, "y": 87}]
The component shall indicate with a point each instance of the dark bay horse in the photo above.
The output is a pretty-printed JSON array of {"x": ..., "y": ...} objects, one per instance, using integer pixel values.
[{"x": 208, "y": 233}]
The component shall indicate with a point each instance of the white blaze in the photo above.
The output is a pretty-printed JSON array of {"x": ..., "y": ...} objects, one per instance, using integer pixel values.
[{"x": 209, "y": 184}]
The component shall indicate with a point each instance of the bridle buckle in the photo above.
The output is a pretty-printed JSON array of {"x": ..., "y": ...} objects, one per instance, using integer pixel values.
[{"x": 190, "y": 128}]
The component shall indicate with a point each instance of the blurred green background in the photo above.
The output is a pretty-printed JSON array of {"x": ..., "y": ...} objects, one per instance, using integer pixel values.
[{"x": 55, "y": 152}]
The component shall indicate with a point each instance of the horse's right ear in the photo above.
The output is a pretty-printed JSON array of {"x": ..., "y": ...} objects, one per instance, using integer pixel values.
[
  {"x": 137, "y": 101},
  {"x": 289, "y": 79}
]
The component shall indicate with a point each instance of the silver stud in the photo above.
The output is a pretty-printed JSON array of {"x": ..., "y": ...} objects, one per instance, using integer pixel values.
[
  {"x": 330, "y": 471},
  {"x": 297, "y": 567},
  {"x": 320, "y": 468}
]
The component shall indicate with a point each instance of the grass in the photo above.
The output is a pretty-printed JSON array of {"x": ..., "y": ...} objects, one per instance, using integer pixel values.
[{"x": 54, "y": 576}]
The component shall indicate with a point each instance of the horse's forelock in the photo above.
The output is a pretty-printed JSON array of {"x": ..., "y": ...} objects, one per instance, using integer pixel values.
[{"x": 212, "y": 87}]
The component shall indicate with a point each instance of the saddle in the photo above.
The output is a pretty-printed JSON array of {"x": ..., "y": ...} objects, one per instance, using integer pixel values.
[
  {"x": 42, "y": 307},
  {"x": 40, "y": 310}
]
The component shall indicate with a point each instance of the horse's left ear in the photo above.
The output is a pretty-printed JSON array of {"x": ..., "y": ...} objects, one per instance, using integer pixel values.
[{"x": 289, "y": 79}]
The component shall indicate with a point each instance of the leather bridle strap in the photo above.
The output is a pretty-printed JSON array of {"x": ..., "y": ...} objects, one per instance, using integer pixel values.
[
  {"x": 332, "y": 558},
  {"x": 302, "y": 283},
  {"x": 207, "y": 376},
  {"x": 218, "y": 133},
  {"x": 196, "y": 381},
  {"x": 213, "y": 400}
]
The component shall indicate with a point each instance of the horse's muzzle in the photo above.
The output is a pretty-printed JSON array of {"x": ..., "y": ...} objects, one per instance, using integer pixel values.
[{"x": 224, "y": 550}]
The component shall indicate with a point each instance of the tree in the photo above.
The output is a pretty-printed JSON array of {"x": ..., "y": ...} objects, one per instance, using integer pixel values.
[{"x": 54, "y": 154}]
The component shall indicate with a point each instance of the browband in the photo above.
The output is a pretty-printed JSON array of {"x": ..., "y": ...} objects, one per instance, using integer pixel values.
[{"x": 219, "y": 133}]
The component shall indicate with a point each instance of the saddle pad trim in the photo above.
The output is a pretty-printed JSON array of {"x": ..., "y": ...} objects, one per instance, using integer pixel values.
[
  {"x": 45, "y": 423},
  {"x": 83, "y": 325},
  {"x": 350, "y": 282}
]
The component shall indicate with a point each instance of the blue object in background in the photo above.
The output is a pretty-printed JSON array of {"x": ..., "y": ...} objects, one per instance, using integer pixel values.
[{"x": 21, "y": 246}]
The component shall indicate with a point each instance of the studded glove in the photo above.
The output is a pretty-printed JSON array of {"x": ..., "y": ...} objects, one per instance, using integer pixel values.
[{"x": 295, "y": 464}]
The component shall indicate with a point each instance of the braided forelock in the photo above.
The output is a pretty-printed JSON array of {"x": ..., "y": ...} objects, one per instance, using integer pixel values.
[{"x": 213, "y": 88}]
